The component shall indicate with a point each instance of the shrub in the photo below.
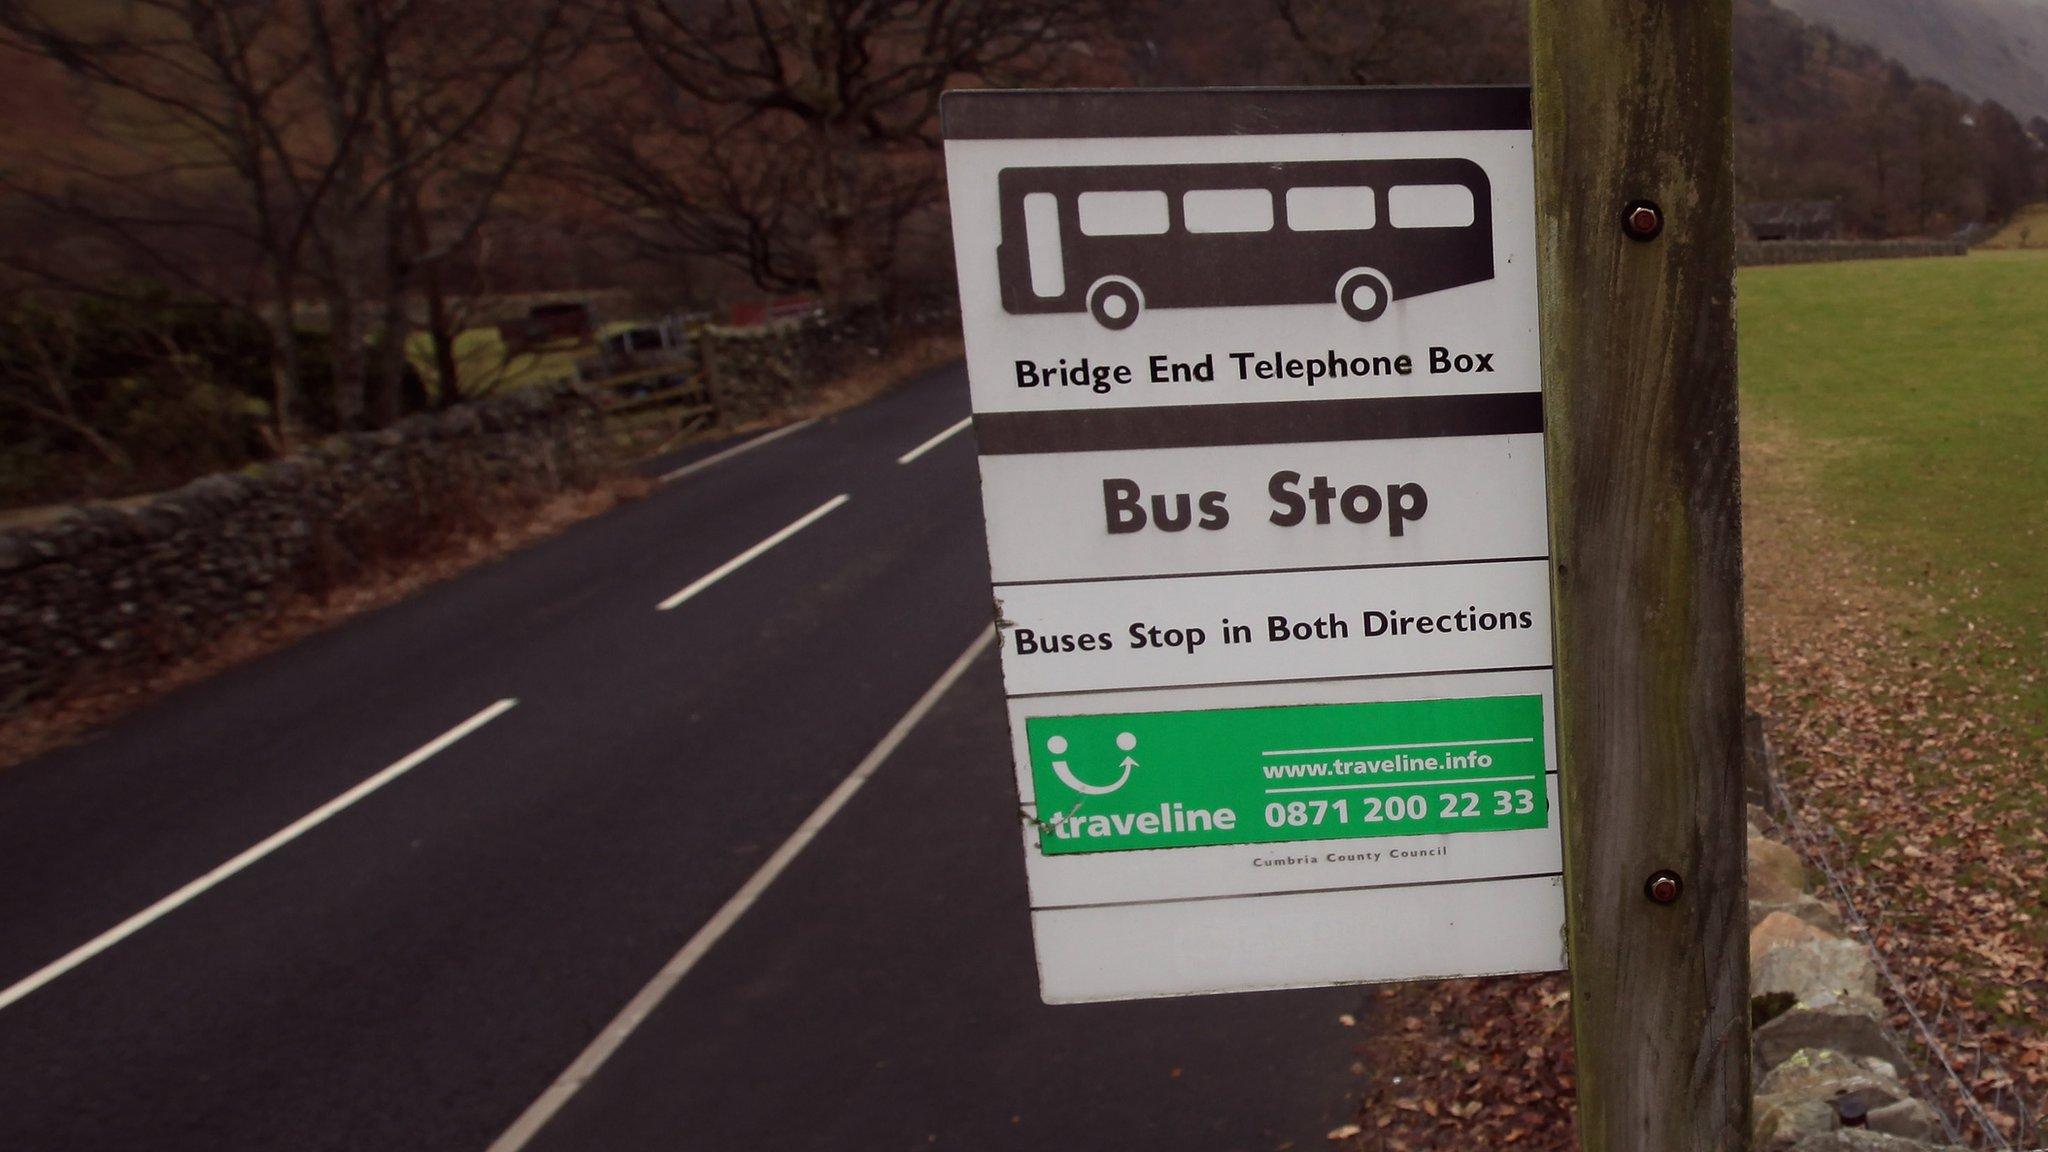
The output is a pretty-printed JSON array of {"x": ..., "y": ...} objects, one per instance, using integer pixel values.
[{"x": 109, "y": 395}]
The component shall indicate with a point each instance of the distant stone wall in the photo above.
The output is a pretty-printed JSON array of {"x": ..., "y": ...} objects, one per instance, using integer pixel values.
[
  {"x": 1751, "y": 253},
  {"x": 108, "y": 590},
  {"x": 757, "y": 371}
]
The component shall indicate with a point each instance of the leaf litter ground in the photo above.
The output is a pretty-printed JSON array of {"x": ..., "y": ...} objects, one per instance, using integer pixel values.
[{"x": 1920, "y": 747}]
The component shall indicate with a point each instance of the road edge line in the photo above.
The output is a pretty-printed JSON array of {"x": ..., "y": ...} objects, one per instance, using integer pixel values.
[
  {"x": 950, "y": 432},
  {"x": 750, "y": 555},
  {"x": 696, "y": 466},
  {"x": 642, "y": 1005},
  {"x": 171, "y": 903}
]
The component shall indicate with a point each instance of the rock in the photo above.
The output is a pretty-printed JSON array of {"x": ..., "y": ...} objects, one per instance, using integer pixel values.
[
  {"x": 1829, "y": 1077},
  {"x": 1792, "y": 962},
  {"x": 222, "y": 490},
  {"x": 1811, "y": 1070},
  {"x": 1848, "y": 1024},
  {"x": 159, "y": 519},
  {"x": 1775, "y": 872},
  {"x": 1781, "y": 929},
  {"x": 1812, "y": 909},
  {"x": 1913, "y": 1119},
  {"x": 110, "y": 522},
  {"x": 1810, "y": 970},
  {"x": 1864, "y": 1140},
  {"x": 1782, "y": 1122}
]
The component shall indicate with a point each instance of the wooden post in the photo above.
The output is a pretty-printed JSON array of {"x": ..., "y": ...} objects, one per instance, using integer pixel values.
[{"x": 1632, "y": 109}]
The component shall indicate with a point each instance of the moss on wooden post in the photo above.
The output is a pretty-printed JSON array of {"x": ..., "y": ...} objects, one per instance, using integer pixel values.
[{"x": 1632, "y": 104}]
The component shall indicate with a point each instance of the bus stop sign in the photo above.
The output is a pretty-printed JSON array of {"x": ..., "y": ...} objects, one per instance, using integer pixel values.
[{"x": 1255, "y": 384}]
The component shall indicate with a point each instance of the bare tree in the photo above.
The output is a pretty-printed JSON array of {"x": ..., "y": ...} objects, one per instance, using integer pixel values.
[
  {"x": 103, "y": 394},
  {"x": 455, "y": 102},
  {"x": 264, "y": 152},
  {"x": 1403, "y": 42},
  {"x": 790, "y": 139},
  {"x": 198, "y": 170},
  {"x": 39, "y": 353},
  {"x": 689, "y": 190}
]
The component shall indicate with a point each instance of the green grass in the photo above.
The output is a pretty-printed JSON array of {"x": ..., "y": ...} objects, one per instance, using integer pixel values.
[
  {"x": 485, "y": 363},
  {"x": 1920, "y": 388},
  {"x": 1904, "y": 405},
  {"x": 2028, "y": 228}
]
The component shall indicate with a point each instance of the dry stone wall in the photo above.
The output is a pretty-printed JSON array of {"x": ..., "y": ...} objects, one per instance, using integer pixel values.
[
  {"x": 1748, "y": 253},
  {"x": 759, "y": 370},
  {"x": 109, "y": 590},
  {"x": 1828, "y": 1077}
]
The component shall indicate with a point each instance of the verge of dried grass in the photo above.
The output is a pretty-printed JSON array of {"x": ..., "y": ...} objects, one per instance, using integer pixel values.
[{"x": 1913, "y": 745}]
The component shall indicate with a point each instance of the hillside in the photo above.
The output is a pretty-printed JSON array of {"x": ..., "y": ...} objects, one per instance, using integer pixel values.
[
  {"x": 1989, "y": 49},
  {"x": 1822, "y": 117}
]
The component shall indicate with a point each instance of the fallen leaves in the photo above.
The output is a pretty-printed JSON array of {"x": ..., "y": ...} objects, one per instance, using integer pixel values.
[
  {"x": 1471, "y": 1064},
  {"x": 1919, "y": 752}
]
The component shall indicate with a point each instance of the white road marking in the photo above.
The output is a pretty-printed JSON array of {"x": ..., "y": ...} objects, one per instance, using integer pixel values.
[
  {"x": 279, "y": 839},
  {"x": 729, "y": 453},
  {"x": 727, "y": 568},
  {"x": 934, "y": 442},
  {"x": 643, "y": 1004}
]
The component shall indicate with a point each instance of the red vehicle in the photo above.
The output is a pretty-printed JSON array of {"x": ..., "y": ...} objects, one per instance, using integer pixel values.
[{"x": 749, "y": 313}]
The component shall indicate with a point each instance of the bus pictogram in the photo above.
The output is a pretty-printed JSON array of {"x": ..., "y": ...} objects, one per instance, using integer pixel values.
[{"x": 1116, "y": 240}]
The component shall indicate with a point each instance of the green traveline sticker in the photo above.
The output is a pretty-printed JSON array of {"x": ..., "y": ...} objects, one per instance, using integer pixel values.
[{"x": 1265, "y": 775}]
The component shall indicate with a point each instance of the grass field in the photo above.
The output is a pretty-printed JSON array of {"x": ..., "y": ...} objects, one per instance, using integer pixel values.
[
  {"x": 2028, "y": 228},
  {"x": 1917, "y": 391},
  {"x": 1896, "y": 545}
]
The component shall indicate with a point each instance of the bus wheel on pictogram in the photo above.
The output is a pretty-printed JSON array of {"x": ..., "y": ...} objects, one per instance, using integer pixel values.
[
  {"x": 1115, "y": 302},
  {"x": 1364, "y": 294}
]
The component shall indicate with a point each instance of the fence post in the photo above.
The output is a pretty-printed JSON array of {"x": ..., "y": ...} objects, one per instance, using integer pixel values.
[{"x": 1636, "y": 250}]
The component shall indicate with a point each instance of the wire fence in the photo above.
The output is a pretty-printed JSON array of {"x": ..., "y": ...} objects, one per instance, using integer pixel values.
[{"x": 1980, "y": 1102}]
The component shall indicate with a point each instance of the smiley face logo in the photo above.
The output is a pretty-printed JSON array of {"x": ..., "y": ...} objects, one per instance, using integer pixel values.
[{"x": 1057, "y": 745}]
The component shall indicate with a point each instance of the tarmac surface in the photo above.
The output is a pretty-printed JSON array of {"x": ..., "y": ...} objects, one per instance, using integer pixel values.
[{"x": 348, "y": 897}]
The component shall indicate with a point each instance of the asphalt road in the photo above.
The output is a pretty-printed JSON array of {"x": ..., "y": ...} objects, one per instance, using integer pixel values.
[{"x": 415, "y": 969}]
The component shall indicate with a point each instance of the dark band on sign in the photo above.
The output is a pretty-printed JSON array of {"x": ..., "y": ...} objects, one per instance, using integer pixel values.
[
  {"x": 1292, "y": 422},
  {"x": 1083, "y": 113}
]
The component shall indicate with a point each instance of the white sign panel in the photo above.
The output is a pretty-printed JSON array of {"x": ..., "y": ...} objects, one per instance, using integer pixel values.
[{"x": 1255, "y": 383}]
